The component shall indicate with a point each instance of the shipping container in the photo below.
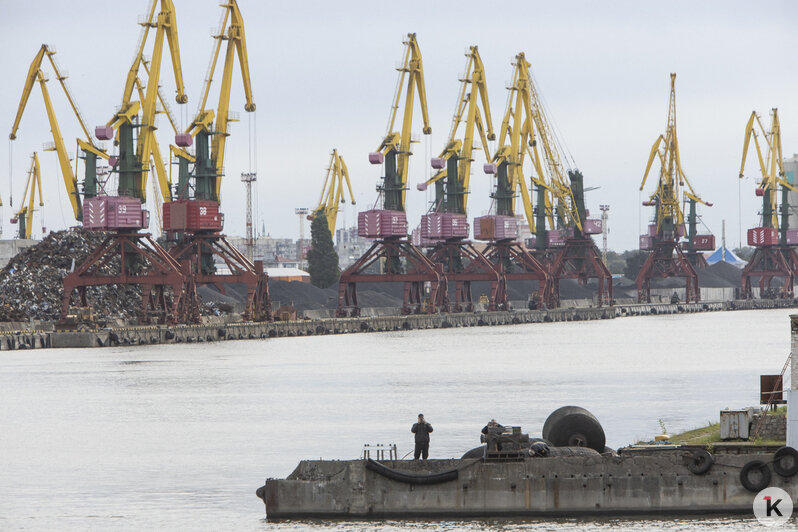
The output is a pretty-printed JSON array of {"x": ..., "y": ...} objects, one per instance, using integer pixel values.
[
  {"x": 379, "y": 223},
  {"x": 704, "y": 243},
  {"x": 763, "y": 236},
  {"x": 556, "y": 238},
  {"x": 792, "y": 237},
  {"x": 192, "y": 215},
  {"x": 646, "y": 242},
  {"x": 184, "y": 140},
  {"x": 592, "y": 226},
  {"x": 495, "y": 227},
  {"x": 110, "y": 213},
  {"x": 104, "y": 132},
  {"x": 444, "y": 225}
]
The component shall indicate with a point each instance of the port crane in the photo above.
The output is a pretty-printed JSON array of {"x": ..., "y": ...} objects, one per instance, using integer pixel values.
[
  {"x": 192, "y": 219},
  {"x": 87, "y": 146},
  {"x": 774, "y": 253},
  {"x": 24, "y": 216},
  {"x": 566, "y": 248},
  {"x": 332, "y": 192},
  {"x": 445, "y": 228},
  {"x": 512, "y": 261},
  {"x": 393, "y": 257},
  {"x": 140, "y": 259},
  {"x": 666, "y": 257}
]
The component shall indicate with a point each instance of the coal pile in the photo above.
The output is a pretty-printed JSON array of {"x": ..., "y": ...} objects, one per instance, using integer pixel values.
[
  {"x": 729, "y": 272},
  {"x": 31, "y": 284}
]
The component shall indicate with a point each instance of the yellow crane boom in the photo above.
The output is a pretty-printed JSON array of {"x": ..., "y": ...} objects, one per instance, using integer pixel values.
[
  {"x": 35, "y": 74},
  {"x": 213, "y": 137},
  {"x": 666, "y": 197},
  {"x": 395, "y": 146},
  {"x": 514, "y": 137},
  {"x": 557, "y": 180},
  {"x": 473, "y": 92},
  {"x": 770, "y": 163},
  {"x": 332, "y": 192},
  {"x": 24, "y": 215},
  {"x": 133, "y": 171}
]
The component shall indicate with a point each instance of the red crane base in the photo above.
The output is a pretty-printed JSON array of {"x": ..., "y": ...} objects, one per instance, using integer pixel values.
[
  {"x": 257, "y": 306},
  {"x": 767, "y": 263},
  {"x": 579, "y": 259},
  {"x": 463, "y": 264},
  {"x": 416, "y": 271},
  {"x": 662, "y": 263},
  {"x": 514, "y": 263},
  {"x": 141, "y": 261}
]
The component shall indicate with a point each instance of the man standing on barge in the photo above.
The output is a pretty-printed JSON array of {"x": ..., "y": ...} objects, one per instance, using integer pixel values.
[{"x": 421, "y": 430}]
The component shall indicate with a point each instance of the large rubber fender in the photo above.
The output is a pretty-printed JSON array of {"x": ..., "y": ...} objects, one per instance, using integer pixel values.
[
  {"x": 785, "y": 461},
  {"x": 700, "y": 462},
  {"x": 573, "y": 426},
  {"x": 476, "y": 452},
  {"x": 410, "y": 478},
  {"x": 761, "y": 474}
]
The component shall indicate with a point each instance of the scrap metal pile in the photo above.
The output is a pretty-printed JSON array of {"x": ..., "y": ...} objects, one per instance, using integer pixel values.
[{"x": 32, "y": 283}]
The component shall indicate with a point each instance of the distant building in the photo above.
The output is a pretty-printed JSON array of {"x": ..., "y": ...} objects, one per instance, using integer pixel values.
[
  {"x": 288, "y": 274},
  {"x": 270, "y": 250},
  {"x": 350, "y": 246}
]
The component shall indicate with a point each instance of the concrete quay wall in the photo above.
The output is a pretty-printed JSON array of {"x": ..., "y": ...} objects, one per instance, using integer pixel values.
[{"x": 148, "y": 335}]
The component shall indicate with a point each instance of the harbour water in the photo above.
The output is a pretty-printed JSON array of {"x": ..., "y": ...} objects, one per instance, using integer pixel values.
[{"x": 179, "y": 437}]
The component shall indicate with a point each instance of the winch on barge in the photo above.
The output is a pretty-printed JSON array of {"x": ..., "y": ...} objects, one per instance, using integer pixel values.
[{"x": 515, "y": 475}]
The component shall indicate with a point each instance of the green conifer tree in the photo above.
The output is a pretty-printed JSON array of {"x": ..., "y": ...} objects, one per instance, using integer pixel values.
[{"x": 322, "y": 258}]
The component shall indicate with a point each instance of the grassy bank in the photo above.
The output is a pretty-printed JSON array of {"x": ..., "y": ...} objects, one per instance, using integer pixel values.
[{"x": 710, "y": 434}]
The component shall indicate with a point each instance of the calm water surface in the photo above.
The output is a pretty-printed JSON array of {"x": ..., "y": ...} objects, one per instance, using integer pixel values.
[{"x": 179, "y": 437}]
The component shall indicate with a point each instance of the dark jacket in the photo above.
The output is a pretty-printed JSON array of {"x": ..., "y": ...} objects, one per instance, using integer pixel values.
[
  {"x": 421, "y": 430},
  {"x": 496, "y": 429}
]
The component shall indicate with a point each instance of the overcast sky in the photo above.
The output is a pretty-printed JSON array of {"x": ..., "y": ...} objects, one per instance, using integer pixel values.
[{"x": 323, "y": 74}]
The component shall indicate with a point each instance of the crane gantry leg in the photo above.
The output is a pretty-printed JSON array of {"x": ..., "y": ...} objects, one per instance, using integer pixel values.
[
  {"x": 579, "y": 259},
  {"x": 768, "y": 263},
  {"x": 402, "y": 263},
  {"x": 257, "y": 305},
  {"x": 514, "y": 263},
  {"x": 126, "y": 258},
  {"x": 463, "y": 264},
  {"x": 667, "y": 259}
]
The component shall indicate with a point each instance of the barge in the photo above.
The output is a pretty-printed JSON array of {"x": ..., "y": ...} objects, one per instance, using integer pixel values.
[{"x": 513, "y": 475}]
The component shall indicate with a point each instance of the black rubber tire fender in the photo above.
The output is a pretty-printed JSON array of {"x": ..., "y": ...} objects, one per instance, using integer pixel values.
[
  {"x": 791, "y": 468},
  {"x": 573, "y": 426},
  {"x": 755, "y": 485},
  {"x": 700, "y": 462}
]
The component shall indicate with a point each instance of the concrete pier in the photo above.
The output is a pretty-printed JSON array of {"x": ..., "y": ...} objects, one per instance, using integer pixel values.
[{"x": 161, "y": 334}]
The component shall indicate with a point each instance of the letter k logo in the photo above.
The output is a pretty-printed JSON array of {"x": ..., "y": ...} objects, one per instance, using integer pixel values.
[{"x": 772, "y": 507}]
